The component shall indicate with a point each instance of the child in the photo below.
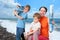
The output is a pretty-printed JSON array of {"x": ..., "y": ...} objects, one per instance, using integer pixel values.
[
  {"x": 21, "y": 22},
  {"x": 34, "y": 28},
  {"x": 19, "y": 9}
]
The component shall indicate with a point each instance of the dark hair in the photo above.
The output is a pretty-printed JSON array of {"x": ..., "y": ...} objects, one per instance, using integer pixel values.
[
  {"x": 37, "y": 15},
  {"x": 18, "y": 5},
  {"x": 43, "y": 7},
  {"x": 28, "y": 7}
]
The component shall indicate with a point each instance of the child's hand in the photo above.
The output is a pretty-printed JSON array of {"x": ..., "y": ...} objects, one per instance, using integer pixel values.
[
  {"x": 30, "y": 33},
  {"x": 27, "y": 33},
  {"x": 31, "y": 30},
  {"x": 15, "y": 12}
]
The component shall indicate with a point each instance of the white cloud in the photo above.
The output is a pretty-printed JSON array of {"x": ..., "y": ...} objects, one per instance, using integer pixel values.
[
  {"x": 9, "y": 2},
  {"x": 31, "y": 13},
  {"x": 57, "y": 15}
]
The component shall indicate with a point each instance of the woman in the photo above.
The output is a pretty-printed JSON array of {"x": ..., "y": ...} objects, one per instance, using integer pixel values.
[{"x": 44, "y": 24}]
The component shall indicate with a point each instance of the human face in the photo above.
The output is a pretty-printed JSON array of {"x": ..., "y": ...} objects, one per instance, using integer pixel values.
[
  {"x": 36, "y": 19},
  {"x": 42, "y": 12},
  {"x": 26, "y": 9}
]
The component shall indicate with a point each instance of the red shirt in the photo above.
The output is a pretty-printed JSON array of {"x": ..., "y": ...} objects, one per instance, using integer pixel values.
[{"x": 44, "y": 26}]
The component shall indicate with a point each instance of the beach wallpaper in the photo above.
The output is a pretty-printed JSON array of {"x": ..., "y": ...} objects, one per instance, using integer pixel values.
[{"x": 9, "y": 21}]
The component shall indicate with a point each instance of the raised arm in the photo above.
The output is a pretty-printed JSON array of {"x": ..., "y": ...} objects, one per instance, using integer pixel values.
[{"x": 16, "y": 14}]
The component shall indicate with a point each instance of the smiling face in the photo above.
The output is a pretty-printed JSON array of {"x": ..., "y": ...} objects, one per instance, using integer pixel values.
[
  {"x": 42, "y": 11},
  {"x": 36, "y": 19},
  {"x": 26, "y": 9}
]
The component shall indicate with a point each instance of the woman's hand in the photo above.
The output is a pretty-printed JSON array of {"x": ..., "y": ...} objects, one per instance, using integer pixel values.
[{"x": 53, "y": 22}]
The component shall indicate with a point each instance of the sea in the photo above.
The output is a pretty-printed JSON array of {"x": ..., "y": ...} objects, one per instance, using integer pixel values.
[{"x": 10, "y": 25}]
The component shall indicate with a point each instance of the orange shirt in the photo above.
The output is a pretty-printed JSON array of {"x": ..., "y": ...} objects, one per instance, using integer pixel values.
[{"x": 44, "y": 26}]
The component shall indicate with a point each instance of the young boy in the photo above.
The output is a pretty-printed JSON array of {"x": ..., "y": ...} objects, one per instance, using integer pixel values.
[
  {"x": 34, "y": 28},
  {"x": 21, "y": 22}
]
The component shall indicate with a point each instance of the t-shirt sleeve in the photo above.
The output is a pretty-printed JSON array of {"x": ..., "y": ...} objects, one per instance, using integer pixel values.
[
  {"x": 38, "y": 25},
  {"x": 31, "y": 25},
  {"x": 24, "y": 16}
]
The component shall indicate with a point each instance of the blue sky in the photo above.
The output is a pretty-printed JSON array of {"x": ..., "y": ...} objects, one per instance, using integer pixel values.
[
  {"x": 36, "y": 4},
  {"x": 6, "y": 5}
]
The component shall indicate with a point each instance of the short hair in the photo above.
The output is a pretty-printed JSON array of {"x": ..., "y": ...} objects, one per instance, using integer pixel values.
[
  {"x": 43, "y": 7},
  {"x": 28, "y": 7},
  {"x": 37, "y": 15},
  {"x": 18, "y": 5}
]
